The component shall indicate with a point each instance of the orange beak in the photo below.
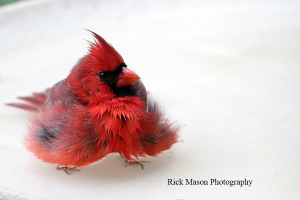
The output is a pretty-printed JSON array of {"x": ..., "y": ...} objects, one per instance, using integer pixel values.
[{"x": 126, "y": 77}]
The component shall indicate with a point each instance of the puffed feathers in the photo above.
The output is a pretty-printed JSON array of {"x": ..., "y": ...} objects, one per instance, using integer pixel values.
[{"x": 84, "y": 117}]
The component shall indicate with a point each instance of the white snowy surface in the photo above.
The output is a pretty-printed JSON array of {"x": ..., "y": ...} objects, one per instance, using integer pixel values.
[{"x": 228, "y": 71}]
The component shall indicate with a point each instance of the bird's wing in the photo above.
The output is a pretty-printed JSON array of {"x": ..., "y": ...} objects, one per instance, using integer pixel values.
[
  {"x": 141, "y": 91},
  {"x": 158, "y": 134}
]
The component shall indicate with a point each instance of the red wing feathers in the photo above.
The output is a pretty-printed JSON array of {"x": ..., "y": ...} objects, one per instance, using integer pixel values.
[{"x": 158, "y": 133}]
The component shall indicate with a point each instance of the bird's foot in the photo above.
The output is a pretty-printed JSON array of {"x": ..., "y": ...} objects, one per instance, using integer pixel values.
[
  {"x": 132, "y": 161},
  {"x": 67, "y": 169}
]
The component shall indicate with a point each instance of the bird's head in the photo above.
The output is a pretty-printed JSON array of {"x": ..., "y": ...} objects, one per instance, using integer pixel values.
[{"x": 102, "y": 73}]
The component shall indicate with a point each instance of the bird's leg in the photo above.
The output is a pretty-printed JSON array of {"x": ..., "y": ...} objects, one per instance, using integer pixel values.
[
  {"x": 132, "y": 161},
  {"x": 143, "y": 155},
  {"x": 67, "y": 169}
]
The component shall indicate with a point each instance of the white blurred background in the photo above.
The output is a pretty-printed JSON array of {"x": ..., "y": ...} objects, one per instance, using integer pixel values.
[{"x": 228, "y": 71}]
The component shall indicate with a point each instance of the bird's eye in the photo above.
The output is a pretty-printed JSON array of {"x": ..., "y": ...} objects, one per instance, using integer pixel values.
[{"x": 103, "y": 74}]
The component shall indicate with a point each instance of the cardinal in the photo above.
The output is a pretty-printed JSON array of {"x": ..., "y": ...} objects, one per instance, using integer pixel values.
[{"x": 102, "y": 107}]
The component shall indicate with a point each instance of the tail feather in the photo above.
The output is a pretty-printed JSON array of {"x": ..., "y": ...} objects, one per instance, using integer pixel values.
[
  {"x": 32, "y": 103},
  {"x": 41, "y": 96},
  {"x": 23, "y": 106}
]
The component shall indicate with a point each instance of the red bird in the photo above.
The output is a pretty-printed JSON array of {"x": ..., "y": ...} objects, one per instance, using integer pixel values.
[{"x": 100, "y": 108}]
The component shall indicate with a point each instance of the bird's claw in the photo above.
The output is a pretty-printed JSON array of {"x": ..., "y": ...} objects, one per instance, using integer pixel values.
[
  {"x": 136, "y": 162},
  {"x": 67, "y": 169}
]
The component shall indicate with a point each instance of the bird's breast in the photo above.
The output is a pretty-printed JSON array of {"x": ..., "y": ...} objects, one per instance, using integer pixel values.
[{"x": 119, "y": 120}]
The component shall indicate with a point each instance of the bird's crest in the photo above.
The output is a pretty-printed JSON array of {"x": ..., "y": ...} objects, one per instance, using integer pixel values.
[{"x": 104, "y": 53}]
